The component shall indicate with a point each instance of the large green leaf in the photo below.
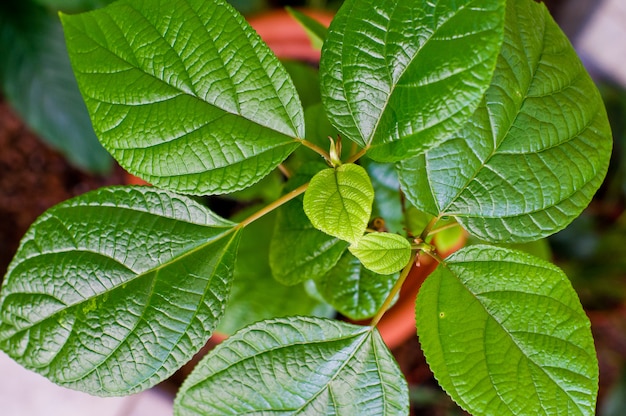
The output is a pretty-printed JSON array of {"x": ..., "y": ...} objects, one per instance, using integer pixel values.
[
  {"x": 402, "y": 76},
  {"x": 533, "y": 154},
  {"x": 36, "y": 79},
  {"x": 353, "y": 290},
  {"x": 505, "y": 334},
  {"x": 194, "y": 102},
  {"x": 298, "y": 250},
  {"x": 255, "y": 294},
  {"x": 339, "y": 201},
  {"x": 297, "y": 366},
  {"x": 130, "y": 284},
  {"x": 383, "y": 253}
]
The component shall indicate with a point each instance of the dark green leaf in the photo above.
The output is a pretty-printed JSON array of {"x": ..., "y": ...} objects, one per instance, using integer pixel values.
[
  {"x": 297, "y": 366},
  {"x": 255, "y": 294},
  {"x": 315, "y": 30},
  {"x": 353, "y": 290},
  {"x": 298, "y": 250},
  {"x": 388, "y": 202},
  {"x": 194, "y": 102},
  {"x": 38, "y": 82},
  {"x": 401, "y": 76},
  {"x": 505, "y": 334},
  {"x": 130, "y": 284},
  {"x": 533, "y": 154}
]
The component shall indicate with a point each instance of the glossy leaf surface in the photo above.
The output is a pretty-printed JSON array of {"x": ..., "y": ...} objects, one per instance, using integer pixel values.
[
  {"x": 536, "y": 150},
  {"x": 339, "y": 201},
  {"x": 298, "y": 250},
  {"x": 505, "y": 334},
  {"x": 297, "y": 366},
  {"x": 255, "y": 294},
  {"x": 402, "y": 76},
  {"x": 353, "y": 290},
  {"x": 132, "y": 282},
  {"x": 383, "y": 253},
  {"x": 194, "y": 102}
]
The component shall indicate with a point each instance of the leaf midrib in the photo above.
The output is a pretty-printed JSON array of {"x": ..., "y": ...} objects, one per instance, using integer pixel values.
[
  {"x": 137, "y": 276},
  {"x": 292, "y": 134}
]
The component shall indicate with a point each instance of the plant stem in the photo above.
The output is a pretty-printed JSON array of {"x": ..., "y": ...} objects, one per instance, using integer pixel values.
[
  {"x": 428, "y": 228},
  {"x": 316, "y": 149},
  {"x": 271, "y": 207},
  {"x": 394, "y": 291},
  {"x": 357, "y": 155},
  {"x": 283, "y": 169},
  {"x": 444, "y": 227}
]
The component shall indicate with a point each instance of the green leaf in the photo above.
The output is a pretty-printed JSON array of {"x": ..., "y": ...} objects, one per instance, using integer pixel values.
[
  {"x": 382, "y": 253},
  {"x": 401, "y": 77},
  {"x": 388, "y": 201},
  {"x": 315, "y": 30},
  {"x": 130, "y": 284},
  {"x": 255, "y": 294},
  {"x": 353, "y": 290},
  {"x": 36, "y": 79},
  {"x": 505, "y": 334},
  {"x": 533, "y": 154},
  {"x": 297, "y": 366},
  {"x": 74, "y": 5},
  {"x": 298, "y": 250},
  {"x": 172, "y": 100},
  {"x": 339, "y": 201}
]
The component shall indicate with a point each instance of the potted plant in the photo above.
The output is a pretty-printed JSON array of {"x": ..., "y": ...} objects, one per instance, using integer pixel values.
[{"x": 473, "y": 114}]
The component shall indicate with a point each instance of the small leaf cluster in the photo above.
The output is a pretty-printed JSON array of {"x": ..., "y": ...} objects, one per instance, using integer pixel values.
[{"x": 464, "y": 114}]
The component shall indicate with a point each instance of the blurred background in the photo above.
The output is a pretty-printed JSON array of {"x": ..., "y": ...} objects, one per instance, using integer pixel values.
[{"x": 49, "y": 153}]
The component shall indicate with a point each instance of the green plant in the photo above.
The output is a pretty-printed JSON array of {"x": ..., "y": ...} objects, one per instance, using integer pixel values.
[{"x": 480, "y": 107}]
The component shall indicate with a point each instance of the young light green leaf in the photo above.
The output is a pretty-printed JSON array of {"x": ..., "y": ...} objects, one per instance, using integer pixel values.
[
  {"x": 297, "y": 366},
  {"x": 505, "y": 334},
  {"x": 36, "y": 79},
  {"x": 383, "y": 253},
  {"x": 315, "y": 30},
  {"x": 172, "y": 99},
  {"x": 255, "y": 294},
  {"x": 353, "y": 290},
  {"x": 402, "y": 76},
  {"x": 298, "y": 250},
  {"x": 132, "y": 282},
  {"x": 339, "y": 201},
  {"x": 533, "y": 154}
]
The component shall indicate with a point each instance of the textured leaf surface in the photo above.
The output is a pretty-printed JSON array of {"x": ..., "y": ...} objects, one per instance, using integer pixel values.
[
  {"x": 194, "y": 102},
  {"x": 402, "y": 76},
  {"x": 339, "y": 201},
  {"x": 533, "y": 154},
  {"x": 353, "y": 290},
  {"x": 130, "y": 283},
  {"x": 255, "y": 294},
  {"x": 298, "y": 250},
  {"x": 36, "y": 79},
  {"x": 505, "y": 334},
  {"x": 382, "y": 253},
  {"x": 297, "y": 366}
]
